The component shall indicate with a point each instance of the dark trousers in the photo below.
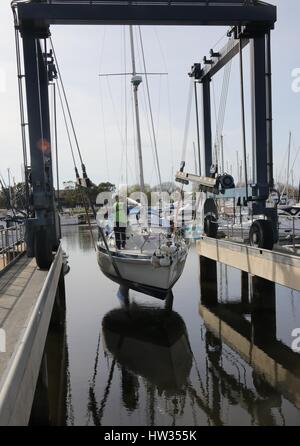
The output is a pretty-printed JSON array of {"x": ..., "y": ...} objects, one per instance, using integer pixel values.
[{"x": 120, "y": 234}]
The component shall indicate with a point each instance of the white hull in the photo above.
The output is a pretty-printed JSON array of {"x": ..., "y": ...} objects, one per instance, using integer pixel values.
[{"x": 139, "y": 272}]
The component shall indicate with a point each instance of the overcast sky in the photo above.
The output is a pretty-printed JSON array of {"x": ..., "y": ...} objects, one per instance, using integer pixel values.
[{"x": 98, "y": 105}]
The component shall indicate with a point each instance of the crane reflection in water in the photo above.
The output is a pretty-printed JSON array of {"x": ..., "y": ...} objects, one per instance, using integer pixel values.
[
  {"x": 223, "y": 358},
  {"x": 150, "y": 348}
]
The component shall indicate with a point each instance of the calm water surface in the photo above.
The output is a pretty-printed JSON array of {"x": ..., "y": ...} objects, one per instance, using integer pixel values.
[{"x": 221, "y": 355}]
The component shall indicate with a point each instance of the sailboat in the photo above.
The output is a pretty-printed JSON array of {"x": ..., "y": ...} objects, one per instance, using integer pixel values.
[{"x": 154, "y": 256}]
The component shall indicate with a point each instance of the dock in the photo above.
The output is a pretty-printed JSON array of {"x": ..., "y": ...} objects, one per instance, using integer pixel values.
[
  {"x": 276, "y": 266},
  {"x": 27, "y": 296},
  {"x": 32, "y": 276}
]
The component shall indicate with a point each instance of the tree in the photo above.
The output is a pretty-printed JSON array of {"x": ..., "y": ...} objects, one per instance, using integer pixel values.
[{"x": 73, "y": 198}]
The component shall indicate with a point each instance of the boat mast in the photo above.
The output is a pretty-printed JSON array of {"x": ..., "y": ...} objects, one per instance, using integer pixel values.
[{"x": 136, "y": 80}]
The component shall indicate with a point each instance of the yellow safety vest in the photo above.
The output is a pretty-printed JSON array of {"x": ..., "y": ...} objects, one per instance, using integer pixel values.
[{"x": 120, "y": 216}]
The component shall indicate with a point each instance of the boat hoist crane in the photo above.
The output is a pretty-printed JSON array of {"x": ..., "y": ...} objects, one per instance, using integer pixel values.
[
  {"x": 264, "y": 230},
  {"x": 253, "y": 19}
]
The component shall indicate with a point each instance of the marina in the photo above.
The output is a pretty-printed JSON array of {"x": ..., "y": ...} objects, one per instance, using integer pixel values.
[{"x": 145, "y": 283}]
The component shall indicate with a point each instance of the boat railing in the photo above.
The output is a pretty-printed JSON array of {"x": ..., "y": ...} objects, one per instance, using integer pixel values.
[{"x": 12, "y": 244}]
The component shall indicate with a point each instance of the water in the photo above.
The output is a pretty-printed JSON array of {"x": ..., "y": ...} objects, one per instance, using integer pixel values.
[{"x": 221, "y": 356}]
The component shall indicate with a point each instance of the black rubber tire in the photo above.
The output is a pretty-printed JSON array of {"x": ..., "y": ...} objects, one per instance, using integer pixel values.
[
  {"x": 42, "y": 249},
  {"x": 262, "y": 235},
  {"x": 210, "y": 226}
]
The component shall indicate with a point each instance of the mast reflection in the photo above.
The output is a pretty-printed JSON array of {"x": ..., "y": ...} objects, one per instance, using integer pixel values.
[{"x": 150, "y": 348}]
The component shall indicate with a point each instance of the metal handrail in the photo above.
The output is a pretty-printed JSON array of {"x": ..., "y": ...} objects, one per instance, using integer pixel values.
[{"x": 12, "y": 244}]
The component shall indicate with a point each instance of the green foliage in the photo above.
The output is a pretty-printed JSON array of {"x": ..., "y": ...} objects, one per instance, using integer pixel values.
[
  {"x": 73, "y": 198},
  {"x": 137, "y": 188}
]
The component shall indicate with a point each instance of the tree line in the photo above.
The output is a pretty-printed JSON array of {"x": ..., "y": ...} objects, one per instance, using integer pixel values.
[{"x": 73, "y": 198}]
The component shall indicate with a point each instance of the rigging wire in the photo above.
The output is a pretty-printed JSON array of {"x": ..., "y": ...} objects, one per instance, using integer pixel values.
[
  {"x": 135, "y": 155},
  {"x": 115, "y": 112},
  {"x": 101, "y": 103},
  {"x": 150, "y": 107},
  {"x": 169, "y": 103},
  {"x": 158, "y": 105},
  {"x": 146, "y": 113},
  {"x": 125, "y": 103},
  {"x": 118, "y": 125},
  {"x": 291, "y": 170},
  {"x": 145, "y": 109},
  {"x": 103, "y": 128}
]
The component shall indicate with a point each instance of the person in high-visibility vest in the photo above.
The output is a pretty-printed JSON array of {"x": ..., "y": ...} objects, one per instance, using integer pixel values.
[{"x": 120, "y": 222}]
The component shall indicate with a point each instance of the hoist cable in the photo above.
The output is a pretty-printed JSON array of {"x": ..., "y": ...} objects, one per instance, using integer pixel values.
[
  {"x": 20, "y": 87},
  {"x": 198, "y": 128},
  {"x": 243, "y": 116},
  {"x": 216, "y": 154},
  {"x": 187, "y": 122},
  {"x": 67, "y": 103},
  {"x": 66, "y": 125},
  {"x": 223, "y": 102},
  {"x": 222, "y": 108},
  {"x": 21, "y": 104},
  {"x": 55, "y": 139}
]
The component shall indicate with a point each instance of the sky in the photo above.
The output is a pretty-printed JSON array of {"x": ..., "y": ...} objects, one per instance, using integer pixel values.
[{"x": 102, "y": 120}]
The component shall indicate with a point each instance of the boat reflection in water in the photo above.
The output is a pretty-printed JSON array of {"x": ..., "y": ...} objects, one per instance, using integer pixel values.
[
  {"x": 235, "y": 366},
  {"x": 150, "y": 347},
  {"x": 150, "y": 342},
  {"x": 241, "y": 374}
]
